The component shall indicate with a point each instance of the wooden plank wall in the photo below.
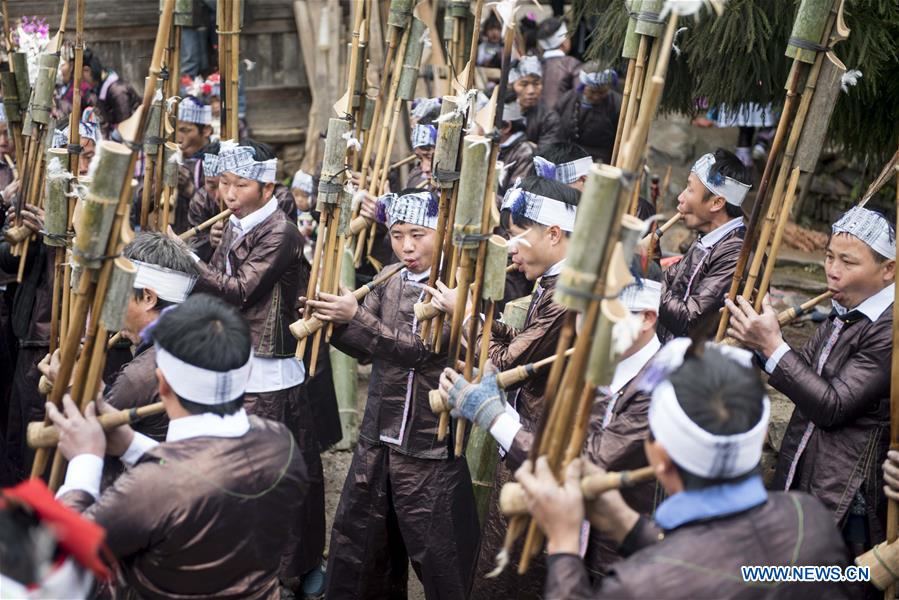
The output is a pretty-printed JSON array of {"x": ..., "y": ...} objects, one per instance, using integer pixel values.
[{"x": 122, "y": 32}]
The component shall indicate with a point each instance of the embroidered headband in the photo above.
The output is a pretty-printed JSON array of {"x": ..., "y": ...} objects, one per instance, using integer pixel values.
[
  {"x": 419, "y": 208},
  {"x": 527, "y": 66},
  {"x": 170, "y": 285},
  {"x": 556, "y": 39},
  {"x": 566, "y": 172},
  {"x": 643, "y": 295},
  {"x": 86, "y": 129},
  {"x": 424, "y": 107},
  {"x": 423, "y": 136},
  {"x": 690, "y": 446},
  {"x": 192, "y": 111},
  {"x": 211, "y": 165},
  {"x": 733, "y": 191},
  {"x": 302, "y": 181},
  {"x": 871, "y": 228},
  {"x": 199, "y": 385},
  {"x": 539, "y": 209},
  {"x": 599, "y": 78},
  {"x": 239, "y": 160}
]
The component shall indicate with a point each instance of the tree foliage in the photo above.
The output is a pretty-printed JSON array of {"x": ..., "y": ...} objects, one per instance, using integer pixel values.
[{"x": 739, "y": 57}]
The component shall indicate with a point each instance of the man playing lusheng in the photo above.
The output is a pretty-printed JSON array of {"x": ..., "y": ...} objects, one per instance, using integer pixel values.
[
  {"x": 406, "y": 496},
  {"x": 200, "y": 515}
]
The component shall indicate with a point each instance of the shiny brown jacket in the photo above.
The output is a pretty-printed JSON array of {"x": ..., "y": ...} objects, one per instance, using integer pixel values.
[
  {"x": 542, "y": 125},
  {"x": 404, "y": 370},
  {"x": 593, "y": 128},
  {"x": 850, "y": 407},
  {"x": 678, "y": 316},
  {"x": 265, "y": 280},
  {"x": 201, "y": 517},
  {"x": 702, "y": 559},
  {"x": 518, "y": 160},
  {"x": 136, "y": 386},
  {"x": 560, "y": 74}
]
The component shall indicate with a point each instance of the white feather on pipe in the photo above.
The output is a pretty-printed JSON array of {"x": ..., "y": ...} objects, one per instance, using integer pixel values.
[
  {"x": 683, "y": 8},
  {"x": 674, "y": 45},
  {"x": 505, "y": 10},
  {"x": 625, "y": 332},
  {"x": 351, "y": 141},
  {"x": 850, "y": 79}
]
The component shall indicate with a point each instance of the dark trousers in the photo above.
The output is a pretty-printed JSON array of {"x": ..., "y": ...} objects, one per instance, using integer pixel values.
[{"x": 395, "y": 508}]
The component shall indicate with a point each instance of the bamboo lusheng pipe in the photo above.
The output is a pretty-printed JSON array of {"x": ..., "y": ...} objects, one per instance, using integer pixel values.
[
  {"x": 782, "y": 219},
  {"x": 513, "y": 499},
  {"x": 777, "y": 198},
  {"x": 787, "y": 315},
  {"x": 45, "y": 387},
  {"x": 193, "y": 231},
  {"x": 93, "y": 292},
  {"x": 303, "y": 328},
  {"x": 892, "y": 506},
  {"x": 572, "y": 395},
  {"x": 800, "y": 65},
  {"x": 47, "y": 436}
]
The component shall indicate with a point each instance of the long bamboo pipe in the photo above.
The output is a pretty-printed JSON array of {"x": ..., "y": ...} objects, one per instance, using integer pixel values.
[
  {"x": 513, "y": 499},
  {"x": 193, "y": 231},
  {"x": 303, "y": 328},
  {"x": 40, "y": 435},
  {"x": 660, "y": 231}
]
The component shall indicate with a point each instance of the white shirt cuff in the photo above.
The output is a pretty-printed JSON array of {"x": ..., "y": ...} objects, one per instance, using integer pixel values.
[
  {"x": 139, "y": 445},
  {"x": 194, "y": 256},
  {"x": 84, "y": 473},
  {"x": 772, "y": 361},
  {"x": 504, "y": 429}
]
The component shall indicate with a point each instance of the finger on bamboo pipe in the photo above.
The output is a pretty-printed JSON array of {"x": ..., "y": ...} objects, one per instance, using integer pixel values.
[
  {"x": 16, "y": 235},
  {"x": 425, "y": 311},
  {"x": 44, "y": 386},
  {"x": 40, "y": 435},
  {"x": 193, "y": 231},
  {"x": 438, "y": 404}
]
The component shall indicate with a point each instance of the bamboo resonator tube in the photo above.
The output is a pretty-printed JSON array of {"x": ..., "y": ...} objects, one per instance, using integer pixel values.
[
  {"x": 303, "y": 328},
  {"x": 504, "y": 380},
  {"x": 47, "y": 436},
  {"x": 662, "y": 228},
  {"x": 193, "y": 231},
  {"x": 791, "y": 313},
  {"x": 512, "y": 498}
]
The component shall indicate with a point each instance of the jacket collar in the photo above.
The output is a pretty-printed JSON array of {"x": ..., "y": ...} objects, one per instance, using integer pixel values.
[
  {"x": 416, "y": 277},
  {"x": 553, "y": 54},
  {"x": 256, "y": 217},
  {"x": 709, "y": 240},
  {"x": 208, "y": 425},
  {"x": 513, "y": 139},
  {"x": 710, "y": 503},
  {"x": 872, "y": 307}
]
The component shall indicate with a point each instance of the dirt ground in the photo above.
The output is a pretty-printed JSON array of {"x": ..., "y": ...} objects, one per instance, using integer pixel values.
[{"x": 799, "y": 276}]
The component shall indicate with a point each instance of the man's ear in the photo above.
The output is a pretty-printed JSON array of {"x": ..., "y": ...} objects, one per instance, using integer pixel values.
[
  {"x": 165, "y": 390},
  {"x": 650, "y": 319},
  {"x": 148, "y": 299},
  {"x": 555, "y": 234},
  {"x": 207, "y": 131},
  {"x": 889, "y": 271},
  {"x": 717, "y": 203},
  {"x": 267, "y": 190}
]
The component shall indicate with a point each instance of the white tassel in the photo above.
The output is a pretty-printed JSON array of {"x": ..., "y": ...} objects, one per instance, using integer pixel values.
[
  {"x": 674, "y": 45},
  {"x": 625, "y": 332},
  {"x": 850, "y": 79}
]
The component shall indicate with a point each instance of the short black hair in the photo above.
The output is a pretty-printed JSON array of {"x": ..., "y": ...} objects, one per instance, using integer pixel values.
[
  {"x": 728, "y": 165},
  {"x": 208, "y": 333},
  {"x": 721, "y": 396},
  {"x": 561, "y": 152},
  {"x": 548, "y": 27},
  {"x": 542, "y": 187},
  {"x": 156, "y": 248}
]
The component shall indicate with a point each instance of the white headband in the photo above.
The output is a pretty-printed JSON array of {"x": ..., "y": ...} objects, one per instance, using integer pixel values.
[
  {"x": 199, "y": 385},
  {"x": 2, "y": 113},
  {"x": 239, "y": 160},
  {"x": 424, "y": 135},
  {"x": 566, "y": 172},
  {"x": 540, "y": 209},
  {"x": 733, "y": 191},
  {"x": 86, "y": 130},
  {"x": 690, "y": 446},
  {"x": 416, "y": 209},
  {"x": 527, "y": 66},
  {"x": 598, "y": 78},
  {"x": 556, "y": 39},
  {"x": 302, "y": 181},
  {"x": 211, "y": 165},
  {"x": 192, "y": 112},
  {"x": 424, "y": 107},
  {"x": 169, "y": 285},
  {"x": 646, "y": 295},
  {"x": 869, "y": 227}
]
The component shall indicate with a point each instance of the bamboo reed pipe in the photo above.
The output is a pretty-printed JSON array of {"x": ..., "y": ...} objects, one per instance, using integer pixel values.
[
  {"x": 633, "y": 107},
  {"x": 787, "y": 315},
  {"x": 782, "y": 219},
  {"x": 660, "y": 231},
  {"x": 194, "y": 231},
  {"x": 47, "y": 436},
  {"x": 625, "y": 101},
  {"x": 513, "y": 499}
]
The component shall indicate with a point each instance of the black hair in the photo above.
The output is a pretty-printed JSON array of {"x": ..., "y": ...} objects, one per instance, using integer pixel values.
[
  {"x": 92, "y": 61},
  {"x": 213, "y": 147},
  {"x": 548, "y": 27},
  {"x": 728, "y": 165},
  {"x": 721, "y": 396},
  {"x": 542, "y": 187},
  {"x": 491, "y": 22},
  {"x": 156, "y": 248},
  {"x": 561, "y": 152},
  {"x": 208, "y": 333},
  {"x": 528, "y": 30}
]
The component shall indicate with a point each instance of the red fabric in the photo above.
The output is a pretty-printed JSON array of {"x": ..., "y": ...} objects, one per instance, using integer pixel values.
[
  {"x": 78, "y": 536},
  {"x": 671, "y": 261}
]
